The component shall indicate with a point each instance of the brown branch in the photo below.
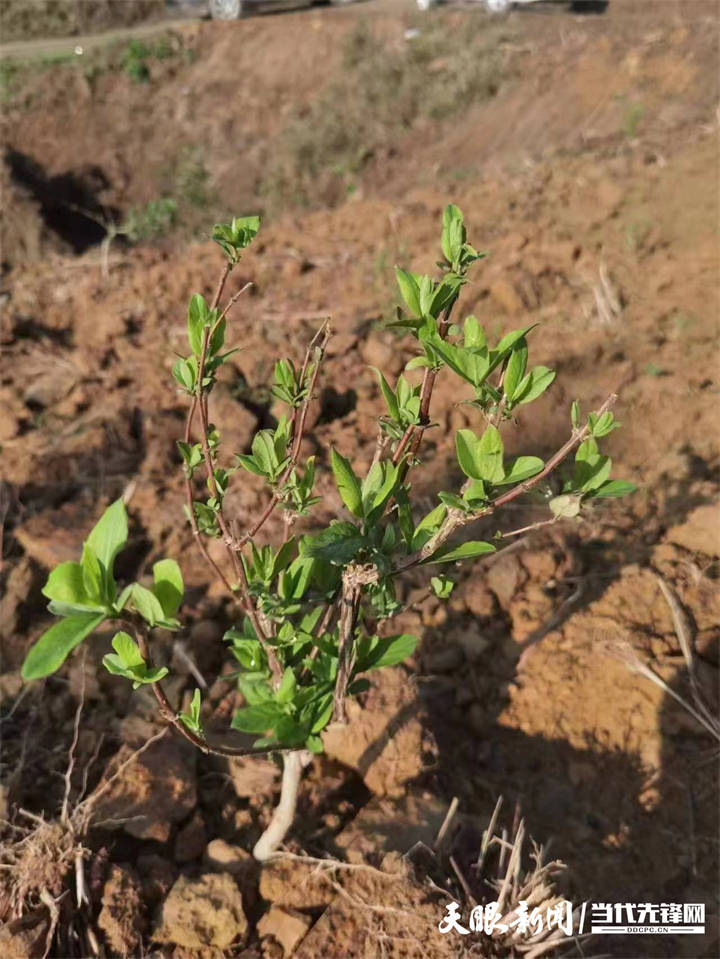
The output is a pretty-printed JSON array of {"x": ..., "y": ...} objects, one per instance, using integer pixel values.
[
  {"x": 531, "y": 527},
  {"x": 412, "y": 437},
  {"x": 169, "y": 714},
  {"x": 297, "y": 435},
  {"x": 456, "y": 519},
  {"x": 349, "y": 609},
  {"x": 227, "y": 269},
  {"x": 355, "y": 578},
  {"x": 200, "y": 403},
  {"x": 189, "y": 502}
]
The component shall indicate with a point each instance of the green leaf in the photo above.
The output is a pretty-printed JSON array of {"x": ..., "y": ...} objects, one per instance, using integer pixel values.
[
  {"x": 287, "y": 688},
  {"x": 323, "y": 713},
  {"x": 128, "y": 662},
  {"x": 473, "y": 333},
  {"x": 466, "y": 447},
  {"x": 375, "y": 652},
  {"x": 591, "y": 469},
  {"x": 146, "y": 603},
  {"x": 489, "y": 457},
  {"x": 256, "y": 691},
  {"x": 295, "y": 580},
  {"x": 263, "y": 449},
  {"x": 128, "y": 650},
  {"x": 442, "y": 586},
  {"x": 453, "y": 234},
  {"x": 453, "y": 501},
  {"x": 169, "y": 587},
  {"x": 109, "y": 535},
  {"x": 615, "y": 488},
  {"x": 377, "y": 488},
  {"x": 410, "y": 290},
  {"x": 444, "y": 294},
  {"x": 428, "y": 526},
  {"x": 523, "y": 468},
  {"x": 218, "y": 337},
  {"x": 389, "y": 395},
  {"x": 244, "y": 229},
  {"x": 347, "y": 483},
  {"x": 450, "y": 554},
  {"x": 66, "y": 584},
  {"x": 533, "y": 384},
  {"x": 417, "y": 362},
  {"x": 515, "y": 369},
  {"x": 249, "y": 463},
  {"x": 509, "y": 341},
  {"x": 52, "y": 649},
  {"x": 198, "y": 317},
  {"x": 338, "y": 544},
  {"x": 575, "y": 414},
  {"x": 602, "y": 425},
  {"x": 257, "y": 719},
  {"x": 93, "y": 578},
  {"x": 191, "y": 719}
]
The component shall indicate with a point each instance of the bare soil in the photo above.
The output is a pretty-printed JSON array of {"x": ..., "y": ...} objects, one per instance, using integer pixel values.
[{"x": 590, "y": 174}]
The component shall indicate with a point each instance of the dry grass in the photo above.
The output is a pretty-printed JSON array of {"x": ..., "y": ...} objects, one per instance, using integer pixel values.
[
  {"x": 26, "y": 19},
  {"x": 384, "y": 89}
]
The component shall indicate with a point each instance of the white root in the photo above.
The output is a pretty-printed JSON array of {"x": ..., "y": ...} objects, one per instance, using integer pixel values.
[{"x": 282, "y": 819}]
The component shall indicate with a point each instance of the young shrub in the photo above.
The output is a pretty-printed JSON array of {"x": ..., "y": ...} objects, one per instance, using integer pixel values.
[{"x": 308, "y": 607}]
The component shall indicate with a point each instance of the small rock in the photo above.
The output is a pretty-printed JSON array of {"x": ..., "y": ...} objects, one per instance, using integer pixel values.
[
  {"x": 285, "y": 926},
  {"x": 47, "y": 389},
  {"x": 155, "y": 791},
  {"x": 295, "y": 885},
  {"x": 203, "y": 912},
  {"x": 122, "y": 917},
  {"x": 220, "y": 856},
  {"x": 190, "y": 841}
]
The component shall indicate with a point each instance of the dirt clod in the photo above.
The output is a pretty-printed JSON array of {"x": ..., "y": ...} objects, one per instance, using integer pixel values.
[
  {"x": 286, "y": 926},
  {"x": 122, "y": 918},
  {"x": 155, "y": 791},
  {"x": 294, "y": 885},
  {"x": 385, "y": 741},
  {"x": 223, "y": 857},
  {"x": 203, "y": 912}
]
